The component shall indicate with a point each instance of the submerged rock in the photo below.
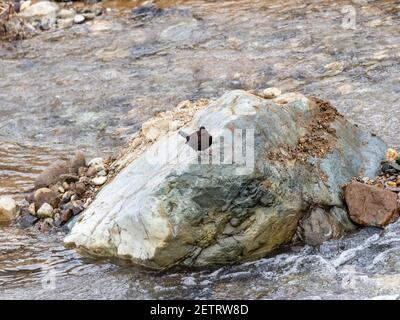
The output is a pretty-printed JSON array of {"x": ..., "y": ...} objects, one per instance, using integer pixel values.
[{"x": 166, "y": 208}]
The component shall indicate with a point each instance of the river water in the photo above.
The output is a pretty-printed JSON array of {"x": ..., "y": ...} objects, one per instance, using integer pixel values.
[{"x": 91, "y": 86}]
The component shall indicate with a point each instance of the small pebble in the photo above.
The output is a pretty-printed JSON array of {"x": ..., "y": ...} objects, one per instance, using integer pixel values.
[
  {"x": 89, "y": 15},
  {"x": 102, "y": 173},
  {"x": 80, "y": 188},
  {"x": 66, "y": 196},
  {"x": 79, "y": 19},
  {"x": 391, "y": 184},
  {"x": 45, "y": 211},
  {"x": 271, "y": 93},
  {"x": 31, "y": 209},
  {"x": 82, "y": 171},
  {"x": 391, "y": 155},
  {"x": 95, "y": 161},
  {"x": 91, "y": 172},
  {"x": 189, "y": 281},
  {"x": 98, "y": 181}
]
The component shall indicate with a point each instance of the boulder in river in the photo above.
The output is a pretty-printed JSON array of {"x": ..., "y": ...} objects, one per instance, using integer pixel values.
[{"x": 280, "y": 161}]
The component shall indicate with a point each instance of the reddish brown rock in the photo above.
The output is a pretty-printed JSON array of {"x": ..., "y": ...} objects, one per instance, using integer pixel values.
[
  {"x": 66, "y": 215},
  {"x": 369, "y": 205},
  {"x": 46, "y": 195}
]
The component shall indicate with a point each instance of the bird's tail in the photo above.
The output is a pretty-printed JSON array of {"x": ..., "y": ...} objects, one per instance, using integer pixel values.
[{"x": 183, "y": 134}]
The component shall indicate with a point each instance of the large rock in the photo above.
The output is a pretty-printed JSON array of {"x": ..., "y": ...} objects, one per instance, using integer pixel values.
[
  {"x": 40, "y": 9},
  {"x": 165, "y": 209},
  {"x": 370, "y": 205},
  {"x": 9, "y": 209}
]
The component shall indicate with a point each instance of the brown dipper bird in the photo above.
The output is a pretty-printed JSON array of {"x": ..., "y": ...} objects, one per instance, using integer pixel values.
[{"x": 200, "y": 140}]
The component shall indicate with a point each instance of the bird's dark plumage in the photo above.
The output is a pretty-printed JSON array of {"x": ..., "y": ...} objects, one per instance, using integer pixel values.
[{"x": 200, "y": 140}]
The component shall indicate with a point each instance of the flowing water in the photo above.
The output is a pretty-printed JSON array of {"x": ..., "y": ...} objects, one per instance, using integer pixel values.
[{"x": 91, "y": 86}]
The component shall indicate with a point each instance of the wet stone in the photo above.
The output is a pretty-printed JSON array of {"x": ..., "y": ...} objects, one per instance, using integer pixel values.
[
  {"x": 9, "y": 209},
  {"x": 66, "y": 197},
  {"x": 75, "y": 207},
  {"x": 27, "y": 220},
  {"x": 390, "y": 167},
  {"x": 66, "y": 215}
]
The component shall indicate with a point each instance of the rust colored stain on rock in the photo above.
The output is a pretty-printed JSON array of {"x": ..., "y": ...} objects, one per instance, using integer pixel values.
[{"x": 369, "y": 205}]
